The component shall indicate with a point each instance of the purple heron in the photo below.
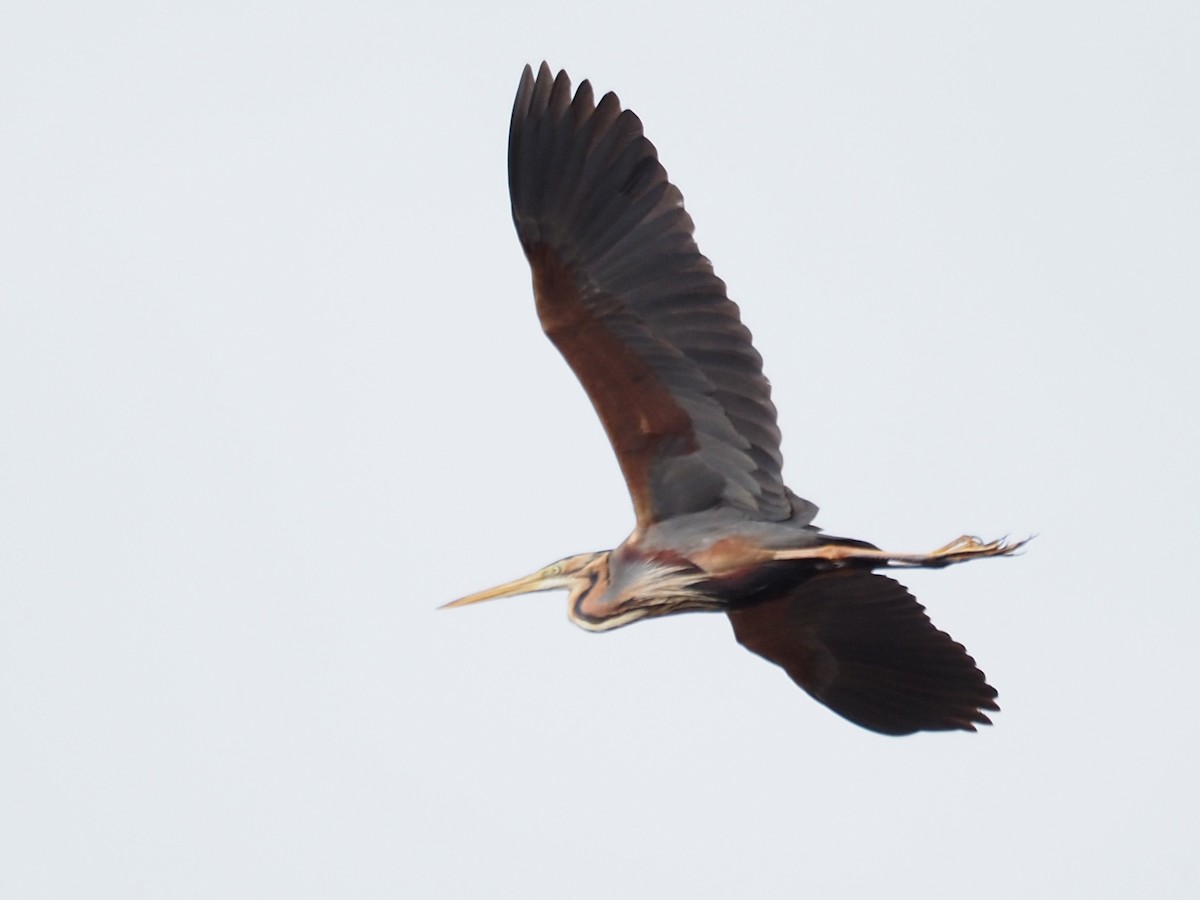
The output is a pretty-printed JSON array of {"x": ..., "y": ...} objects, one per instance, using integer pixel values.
[{"x": 624, "y": 293}]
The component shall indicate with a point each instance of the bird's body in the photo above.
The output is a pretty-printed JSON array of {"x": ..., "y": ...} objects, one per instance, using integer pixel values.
[{"x": 624, "y": 293}]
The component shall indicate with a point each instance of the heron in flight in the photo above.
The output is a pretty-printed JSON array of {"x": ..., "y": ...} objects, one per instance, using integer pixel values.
[{"x": 624, "y": 293}]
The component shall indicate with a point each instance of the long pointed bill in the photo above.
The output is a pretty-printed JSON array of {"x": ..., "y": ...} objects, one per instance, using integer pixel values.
[{"x": 547, "y": 579}]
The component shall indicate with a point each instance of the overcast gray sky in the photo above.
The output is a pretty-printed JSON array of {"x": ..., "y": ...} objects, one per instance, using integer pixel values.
[{"x": 273, "y": 389}]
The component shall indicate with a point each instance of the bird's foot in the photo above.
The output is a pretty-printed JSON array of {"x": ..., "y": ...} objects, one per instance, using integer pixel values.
[{"x": 968, "y": 547}]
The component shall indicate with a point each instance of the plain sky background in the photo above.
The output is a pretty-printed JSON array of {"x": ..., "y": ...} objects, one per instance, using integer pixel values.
[{"x": 272, "y": 389}]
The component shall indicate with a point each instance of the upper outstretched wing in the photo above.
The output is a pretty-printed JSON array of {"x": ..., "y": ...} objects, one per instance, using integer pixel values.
[
  {"x": 862, "y": 645},
  {"x": 625, "y": 295}
]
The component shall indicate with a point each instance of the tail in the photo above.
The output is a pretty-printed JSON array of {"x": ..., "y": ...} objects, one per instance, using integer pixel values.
[{"x": 861, "y": 644}]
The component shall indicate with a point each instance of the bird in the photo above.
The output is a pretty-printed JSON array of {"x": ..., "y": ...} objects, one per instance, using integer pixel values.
[{"x": 623, "y": 292}]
